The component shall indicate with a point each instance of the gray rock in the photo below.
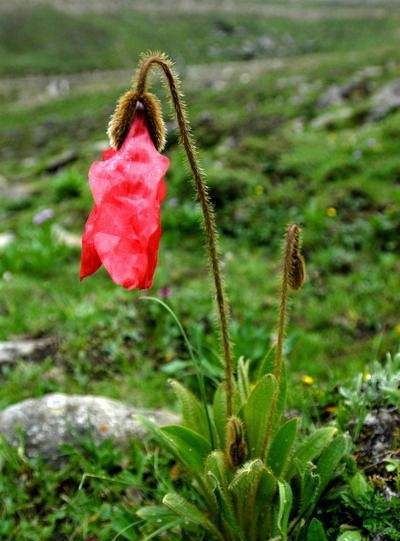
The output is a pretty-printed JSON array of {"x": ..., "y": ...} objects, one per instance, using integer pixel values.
[
  {"x": 13, "y": 350},
  {"x": 331, "y": 96},
  {"x": 331, "y": 118},
  {"x": 15, "y": 191},
  {"x": 386, "y": 100},
  {"x": 57, "y": 419},
  {"x": 58, "y": 162},
  {"x": 6, "y": 239},
  {"x": 337, "y": 94},
  {"x": 62, "y": 236}
]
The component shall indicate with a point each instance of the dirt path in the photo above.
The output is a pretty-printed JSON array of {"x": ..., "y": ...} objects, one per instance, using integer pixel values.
[
  {"x": 297, "y": 11},
  {"x": 36, "y": 89}
]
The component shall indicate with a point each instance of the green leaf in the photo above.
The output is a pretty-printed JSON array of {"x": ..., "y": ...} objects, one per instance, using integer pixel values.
[
  {"x": 243, "y": 378},
  {"x": 309, "y": 484},
  {"x": 156, "y": 513},
  {"x": 244, "y": 486},
  {"x": 190, "y": 513},
  {"x": 350, "y": 536},
  {"x": 246, "y": 476},
  {"x": 193, "y": 412},
  {"x": 266, "y": 486},
  {"x": 281, "y": 401},
  {"x": 316, "y": 531},
  {"x": 311, "y": 448},
  {"x": 285, "y": 506},
  {"x": 220, "y": 414},
  {"x": 192, "y": 448},
  {"x": 330, "y": 460},
  {"x": 187, "y": 447},
  {"x": 267, "y": 367},
  {"x": 216, "y": 466},
  {"x": 281, "y": 447},
  {"x": 267, "y": 364},
  {"x": 261, "y": 519},
  {"x": 359, "y": 486},
  {"x": 219, "y": 474},
  {"x": 159, "y": 531},
  {"x": 162, "y": 440},
  {"x": 257, "y": 414}
]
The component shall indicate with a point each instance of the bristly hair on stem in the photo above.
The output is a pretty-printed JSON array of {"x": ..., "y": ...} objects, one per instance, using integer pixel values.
[
  {"x": 118, "y": 131},
  {"x": 293, "y": 277}
]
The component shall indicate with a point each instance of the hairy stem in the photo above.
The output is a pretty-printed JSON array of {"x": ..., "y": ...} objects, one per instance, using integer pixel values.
[
  {"x": 282, "y": 317},
  {"x": 164, "y": 63},
  {"x": 292, "y": 260},
  {"x": 293, "y": 276}
]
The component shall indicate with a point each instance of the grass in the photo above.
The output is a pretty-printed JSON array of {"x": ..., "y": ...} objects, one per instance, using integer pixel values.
[
  {"x": 41, "y": 39},
  {"x": 268, "y": 164}
]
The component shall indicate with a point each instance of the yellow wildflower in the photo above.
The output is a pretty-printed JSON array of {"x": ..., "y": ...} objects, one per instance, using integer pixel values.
[
  {"x": 331, "y": 409},
  {"x": 307, "y": 380},
  {"x": 331, "y": 212}
]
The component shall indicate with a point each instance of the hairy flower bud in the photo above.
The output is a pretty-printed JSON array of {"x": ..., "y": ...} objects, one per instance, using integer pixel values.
[
  {"x": 124, "y": 113},
  {"x": 296, "y": 265},
  {"x": 236, "y": 448}
]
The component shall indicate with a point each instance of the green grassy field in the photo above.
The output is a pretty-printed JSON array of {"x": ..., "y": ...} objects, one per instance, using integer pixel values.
[
  {"x": 44, "y": 40},
  {"x": 273, "y": 156}
]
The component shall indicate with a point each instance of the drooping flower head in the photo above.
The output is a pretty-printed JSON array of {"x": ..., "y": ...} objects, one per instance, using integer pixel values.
[{"x": 123, "y": 230}]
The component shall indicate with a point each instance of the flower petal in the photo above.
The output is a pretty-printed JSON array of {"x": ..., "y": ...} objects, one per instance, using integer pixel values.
[
  {"x": 90, "y": 261},
  {"x": 127, "y": 236},
  {"x": 124, "y": 229},
  {"x": 137, "y": 161}
]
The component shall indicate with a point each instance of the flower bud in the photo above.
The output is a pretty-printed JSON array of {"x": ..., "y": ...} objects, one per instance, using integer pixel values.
[
  {"x": 124, "y": 113},
  {"x": 236, "y": 448},
  {"x": 297, "y": 273}
]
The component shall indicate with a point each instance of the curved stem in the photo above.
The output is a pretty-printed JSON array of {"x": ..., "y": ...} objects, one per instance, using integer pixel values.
[
  {"x": 162, "y": 62},
  {"x": 196, "y": 363},
  {"x": 293, "y": 276},
  {"x": 290, "y": 250},
  {"x": 282, "y": 314}
]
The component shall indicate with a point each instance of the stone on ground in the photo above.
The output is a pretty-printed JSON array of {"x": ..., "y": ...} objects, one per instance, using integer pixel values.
[{"x": 55, "y": 419}]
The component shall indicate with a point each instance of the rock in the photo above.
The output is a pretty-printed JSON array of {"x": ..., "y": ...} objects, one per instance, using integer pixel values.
[
  {"x": 14, "y": 350},
  {"x": 57, "y": 419},
  {"x": 331, "y": 118},
  {"x": 331, "y": 96},
  {"x": 60, "y": 161},
  {"x": 386, "y": 100},
  {"x": 62, "y": 236},
  {"x": 6, "y": 239},
  {"x": 58, "y": 87},
  {"x": 16, "y": 192},
  {"x": 43, "y": 216},
  {"x": 336, "y": 94},
  {"x": 370, "y": 71}
]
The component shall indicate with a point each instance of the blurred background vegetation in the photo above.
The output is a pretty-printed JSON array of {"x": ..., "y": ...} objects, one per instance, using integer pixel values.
[{"x": 296, "y": 108}]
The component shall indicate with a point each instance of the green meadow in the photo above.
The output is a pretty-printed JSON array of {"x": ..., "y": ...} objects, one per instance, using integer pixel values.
[{"x": 275, "y": 149}]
